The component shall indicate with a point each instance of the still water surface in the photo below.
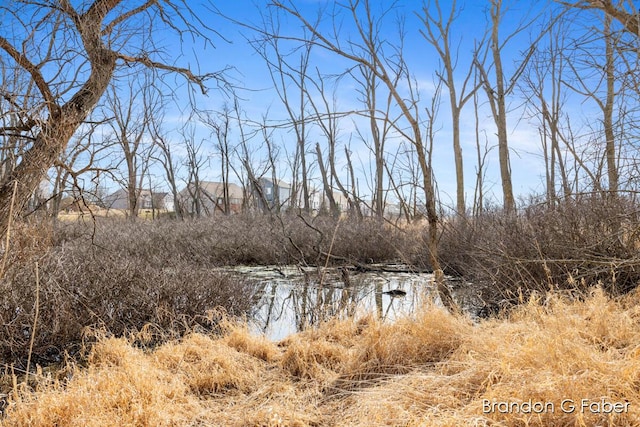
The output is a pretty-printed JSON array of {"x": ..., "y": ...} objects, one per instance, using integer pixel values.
[{"x": 290, "y": 299}]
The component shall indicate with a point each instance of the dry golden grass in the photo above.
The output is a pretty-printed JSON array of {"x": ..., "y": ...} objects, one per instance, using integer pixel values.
[
  {"x": 95, "y": 211},
  {"x": 434, "y": 369}
]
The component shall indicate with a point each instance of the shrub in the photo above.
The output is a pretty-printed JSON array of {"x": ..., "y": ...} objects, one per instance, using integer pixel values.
[
  {"x": 575, "y": 244},
  {"x": 119, "y": 282},
  {"x": 118, "y": 275}
]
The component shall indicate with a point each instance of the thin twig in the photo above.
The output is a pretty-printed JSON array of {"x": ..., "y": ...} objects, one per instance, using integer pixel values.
[
  {"x": 35, "y": 322},
  {"x": 8, "y": 235},
  {"x": 326, "y": 263}
]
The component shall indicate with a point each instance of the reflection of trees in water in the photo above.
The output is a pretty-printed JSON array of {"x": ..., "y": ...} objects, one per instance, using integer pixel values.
[
  {"x": 309, "y": 302},
  {"x": 306, "y": 300}
]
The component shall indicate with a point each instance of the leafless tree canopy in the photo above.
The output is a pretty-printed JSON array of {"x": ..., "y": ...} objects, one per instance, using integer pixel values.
[{"x": 57, "y": 59}]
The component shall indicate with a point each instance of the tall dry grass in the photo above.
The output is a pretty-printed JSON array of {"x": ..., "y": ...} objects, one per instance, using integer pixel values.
[{"x": 432, "y": 369}]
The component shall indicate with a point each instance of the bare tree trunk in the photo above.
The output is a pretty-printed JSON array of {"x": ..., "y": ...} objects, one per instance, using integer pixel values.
[
  {"x": 194, "y": 164},
  {"x": 438, "y": 35},
  {"x": 223, "y": 147},
  {"x": 355, "y": 198},
  {"x": 272, "y": 154},
  {"x": 610, "y": 150},
  {"x": 256, "y": 186},
  {"x": 328, "y": 192},
  {"x": 378, "y": 139},
  {"x": 478, "y": 198},
  {"x": 133, "y": 191},
  {"x": 499, "y": 109}
]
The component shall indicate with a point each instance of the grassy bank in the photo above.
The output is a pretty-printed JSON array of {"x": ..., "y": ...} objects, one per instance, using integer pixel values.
[{"x": 435, "y": 369}]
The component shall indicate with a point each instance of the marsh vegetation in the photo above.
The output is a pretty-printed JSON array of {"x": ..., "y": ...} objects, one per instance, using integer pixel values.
[
  {"x": 86, "y": 304},
  {"x": 331, "y": 250}
]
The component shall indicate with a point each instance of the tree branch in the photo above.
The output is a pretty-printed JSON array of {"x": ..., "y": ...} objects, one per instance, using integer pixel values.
[
  {"x": 187, "y": 73},
  {"x": 127, "y": 15},
  {"x": 33, "y": 71}
]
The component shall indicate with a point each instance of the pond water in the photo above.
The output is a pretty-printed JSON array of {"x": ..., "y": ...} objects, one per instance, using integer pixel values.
[{"x": 290, "y": 299}]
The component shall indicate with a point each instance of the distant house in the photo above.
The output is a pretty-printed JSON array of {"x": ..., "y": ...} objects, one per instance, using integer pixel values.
[
  {"x": 164, "y": 201},
  {"x": 146, "y": 200},
  {"x": 208, "y": 198},
  {"x": 40, "y": 197},
  {"x": 271, "y": 191},
  {"x": 320, "y": 202},
  {"x": 391, "y": 210}
]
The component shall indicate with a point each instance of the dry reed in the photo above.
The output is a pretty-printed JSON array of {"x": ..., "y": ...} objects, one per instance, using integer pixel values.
[{"x": 433, "y": 369}]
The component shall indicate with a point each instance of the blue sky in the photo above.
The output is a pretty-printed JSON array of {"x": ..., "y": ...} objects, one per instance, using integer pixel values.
[
  {"x": 258, "y": 100},
  {"x": 468, "y": 27}
]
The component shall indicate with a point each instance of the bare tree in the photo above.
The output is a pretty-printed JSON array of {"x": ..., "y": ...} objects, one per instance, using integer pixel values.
[
  {"x": 369, "y": 52},
  {"x": 619, "y": 74},
  {"x": 543, "y": 84},
  {"x": 86, "y": 45},
  {"x": 327, "y": 190},
  {"x": 220, "y": 125},
  {"x": 502, "y": 86},
  {"x": 496, "y": 93},
  {"x": 608, "y": 106},
  {"x": 286, "y": 68},
  {"x": 222, "y": 136},
  {"x": 132, "y": 110},
  {"x": 84, "y": 157},
  {"x": 165, "y": 156},
  {"x": 238, "y": 153},
  {"x": 397, "y": 187},
  {"x": 595, "y": 78},
  {"x": 194, "y": 162},
  {"x": 478, "y": 192},
  {"x": 355, "y": 197},
  {"x": 327, "y": 118},
  {"x": 380, "y": 124},
  {"x": 252, "y": 189},
  {"x": 438, "y": 34},
  {"x": 605, "y": 101},
  {"x": 273, "y": 151}
]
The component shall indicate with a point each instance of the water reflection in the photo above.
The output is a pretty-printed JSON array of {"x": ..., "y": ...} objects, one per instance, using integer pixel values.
[{"x": 291, "y": 299}]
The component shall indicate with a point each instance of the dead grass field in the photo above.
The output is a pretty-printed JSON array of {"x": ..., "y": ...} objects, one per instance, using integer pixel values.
[
  {"x": 434, "y": 369},
  {"x": 95, "y": 211}
]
